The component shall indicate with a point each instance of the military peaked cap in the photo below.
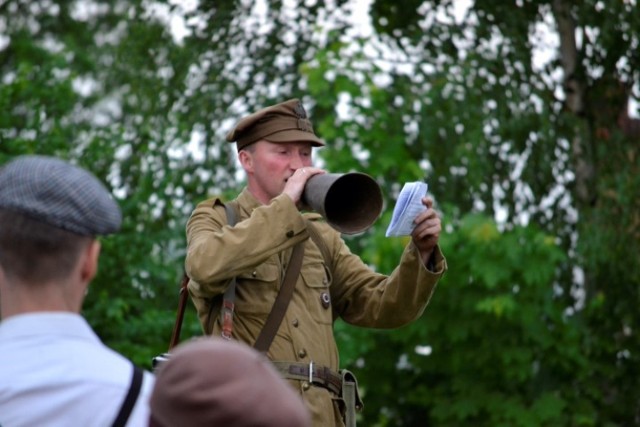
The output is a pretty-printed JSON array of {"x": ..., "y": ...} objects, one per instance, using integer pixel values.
[
  {"x": 57, "y": 193},
  {"x": 284, "y": 122}
]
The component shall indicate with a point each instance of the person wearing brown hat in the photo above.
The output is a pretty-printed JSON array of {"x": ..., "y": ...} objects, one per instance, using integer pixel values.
[
  {"x": 214, "y": 382},
  {"x": 54, "y": 370},
  {"x": 251, "y": 259}
]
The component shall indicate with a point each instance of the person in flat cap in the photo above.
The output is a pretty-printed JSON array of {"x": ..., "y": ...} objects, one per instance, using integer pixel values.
[
  {"x": 272, "y": 232},
  {"x": 214, "y": 382},
  {"x": 54, "y": 370}
]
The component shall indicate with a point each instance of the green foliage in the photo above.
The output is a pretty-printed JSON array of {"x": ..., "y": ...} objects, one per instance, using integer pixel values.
[
  {"x": 536, "y": 320},
  {"x": 491, "y": 329},
  {"x": 493, "y": 137}
]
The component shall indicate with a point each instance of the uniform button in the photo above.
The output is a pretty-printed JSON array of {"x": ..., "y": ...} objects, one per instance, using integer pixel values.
[
  {"x": 254, "y": 274},
  {"x": 325, "y": 299},
  {"x": 295, "y": 323},
  {"x": 302, "y": 353},
  {"x": 290, "y": 233},
  {"x": 306, "y": 385}
]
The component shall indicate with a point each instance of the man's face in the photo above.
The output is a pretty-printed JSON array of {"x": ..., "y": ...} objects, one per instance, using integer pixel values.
[{"x": 269, "y": 166}]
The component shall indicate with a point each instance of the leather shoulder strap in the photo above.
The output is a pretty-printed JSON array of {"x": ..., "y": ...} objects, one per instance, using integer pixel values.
[
  {"x": 320, "y": 243},
  {"x": 228, "y": 301},
  {"x": 182, "y": 302},
  {"x": 268, "y": 332},
  {"x": 231, "y": 209},
  {"x": 272, "y": 324}
]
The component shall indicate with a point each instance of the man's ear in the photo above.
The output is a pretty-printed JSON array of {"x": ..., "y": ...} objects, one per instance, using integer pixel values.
[
  {"x": 246, "y": 160},
  {"x": 89, "y": 266}
]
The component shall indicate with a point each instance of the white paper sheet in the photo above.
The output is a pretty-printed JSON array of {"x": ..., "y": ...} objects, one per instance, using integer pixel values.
[{"x": 408, "y": 206}]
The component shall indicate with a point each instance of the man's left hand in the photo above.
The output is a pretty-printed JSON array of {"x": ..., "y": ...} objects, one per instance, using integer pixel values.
[{"x": 426, "y": 233}]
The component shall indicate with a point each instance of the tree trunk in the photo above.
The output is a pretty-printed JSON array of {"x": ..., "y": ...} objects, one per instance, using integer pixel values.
[{"x": 575, "y": 103}]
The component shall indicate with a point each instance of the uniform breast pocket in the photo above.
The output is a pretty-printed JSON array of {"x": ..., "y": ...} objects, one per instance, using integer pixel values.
[
  {"x": 256, "y": 289},
  {"x": 317, "y": 280}
]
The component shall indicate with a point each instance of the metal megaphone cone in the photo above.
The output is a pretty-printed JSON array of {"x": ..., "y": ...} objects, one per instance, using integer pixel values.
[{"x": 350, "y": 202}]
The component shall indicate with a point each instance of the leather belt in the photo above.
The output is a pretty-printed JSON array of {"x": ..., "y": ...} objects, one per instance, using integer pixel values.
[{"x": 315, "y": 374}]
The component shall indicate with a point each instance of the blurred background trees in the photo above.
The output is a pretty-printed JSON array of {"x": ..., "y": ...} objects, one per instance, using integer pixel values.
[{"x": 522, "y": 117}]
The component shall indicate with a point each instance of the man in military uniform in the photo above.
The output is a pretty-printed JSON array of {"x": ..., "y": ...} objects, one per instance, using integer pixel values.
[{"x": 275, "y": 149}]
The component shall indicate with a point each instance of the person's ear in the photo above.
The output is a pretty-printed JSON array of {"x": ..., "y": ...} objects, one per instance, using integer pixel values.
[
  {"x": 89, "y": 266},
  {"x": 246, "y": 160}
]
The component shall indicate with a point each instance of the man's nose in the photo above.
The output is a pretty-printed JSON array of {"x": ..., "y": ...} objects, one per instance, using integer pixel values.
[{"x": 297, "y": 162}]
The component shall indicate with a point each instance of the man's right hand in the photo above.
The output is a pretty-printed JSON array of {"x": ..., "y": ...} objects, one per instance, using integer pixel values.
[{"x": 294, "y": 188}]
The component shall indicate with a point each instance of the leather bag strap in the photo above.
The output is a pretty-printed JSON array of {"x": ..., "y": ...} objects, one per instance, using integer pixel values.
[
  {"x": 228, "y": 301},
  {"x": 182, "y": 303},
  {"x": 268, "y": 332}
]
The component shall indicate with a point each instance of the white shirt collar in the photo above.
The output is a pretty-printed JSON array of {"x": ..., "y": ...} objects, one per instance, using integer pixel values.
[{"x": 46, "y": 323}]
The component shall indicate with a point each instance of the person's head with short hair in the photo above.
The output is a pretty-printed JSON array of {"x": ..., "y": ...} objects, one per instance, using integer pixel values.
[
  {"x": 215, "y": 382},
  {"x": 51, "y": 212},
  {"x": 273, "y": 143}
]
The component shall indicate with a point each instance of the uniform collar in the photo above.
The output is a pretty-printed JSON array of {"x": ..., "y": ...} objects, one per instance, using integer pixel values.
[{"x": 247, "y": 201}]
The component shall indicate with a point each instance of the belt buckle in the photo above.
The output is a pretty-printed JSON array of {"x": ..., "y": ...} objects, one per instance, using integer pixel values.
[{"x": 311, "y": 372}]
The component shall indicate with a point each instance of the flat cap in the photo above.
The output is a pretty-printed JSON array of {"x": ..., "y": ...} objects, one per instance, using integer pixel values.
[
  {"x": 214, "y": 382},
  {"x": 60, "y": 194},
  {"x": 284, "y": 122}
]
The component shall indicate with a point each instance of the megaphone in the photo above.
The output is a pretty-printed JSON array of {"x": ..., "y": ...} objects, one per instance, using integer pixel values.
[{"x": 350, "y": 202}]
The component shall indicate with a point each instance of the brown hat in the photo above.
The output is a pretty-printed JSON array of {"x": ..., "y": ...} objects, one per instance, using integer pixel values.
[
  {"x": 284, "y": 122},
  {"x": 213, "y": 382}
]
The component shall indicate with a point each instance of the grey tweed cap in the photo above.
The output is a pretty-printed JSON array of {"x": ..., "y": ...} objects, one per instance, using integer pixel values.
[{"x": 59, "y": 194}]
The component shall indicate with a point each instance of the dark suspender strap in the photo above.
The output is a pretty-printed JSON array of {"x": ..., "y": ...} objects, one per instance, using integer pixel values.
[
  {"x": 268, "y": 332},
  {"x": 228, "y": 301},
  {"x": 130, "y": 399}
]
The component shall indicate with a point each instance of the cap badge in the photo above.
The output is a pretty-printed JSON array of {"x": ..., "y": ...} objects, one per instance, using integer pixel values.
[
  {"x": 300, "y": 111},
  {"x": 303, "y": 122}
]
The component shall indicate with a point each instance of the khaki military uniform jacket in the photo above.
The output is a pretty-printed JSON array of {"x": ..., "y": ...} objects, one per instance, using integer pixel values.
[{"x": 257, "y": 250}]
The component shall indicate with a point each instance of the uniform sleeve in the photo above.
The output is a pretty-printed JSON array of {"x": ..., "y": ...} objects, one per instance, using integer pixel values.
[
  {"x": 216, "y": 252},
  {"x": 365, "y": 298}
]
